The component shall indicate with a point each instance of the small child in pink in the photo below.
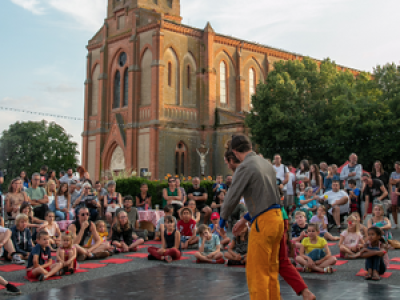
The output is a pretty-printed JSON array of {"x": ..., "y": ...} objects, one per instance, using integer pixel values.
[{"x": 351, "y": 240}]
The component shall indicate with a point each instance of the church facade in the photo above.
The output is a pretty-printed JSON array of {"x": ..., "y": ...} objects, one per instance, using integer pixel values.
[{"x": 158, "y": 92}]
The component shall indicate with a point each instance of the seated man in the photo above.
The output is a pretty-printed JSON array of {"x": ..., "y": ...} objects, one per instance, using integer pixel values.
[
  {"x": 89, "y": 200},
  {"x": 38, "y": 197},
  {"x": 133, "y": 217},
  {"x": 338, "y": 202},
  {"x": 81, "y": 230},
  {"x": 200, "y": 195}
]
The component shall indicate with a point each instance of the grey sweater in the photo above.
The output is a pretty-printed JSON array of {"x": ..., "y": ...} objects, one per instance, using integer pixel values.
[
  {"x": 344, "y": 175},
  {"x": 255, "y": 180}
]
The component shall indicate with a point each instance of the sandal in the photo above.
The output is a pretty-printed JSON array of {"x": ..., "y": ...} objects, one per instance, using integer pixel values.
[
  {"x": 168, "y": 258},
  {"x": 368, "y": 277},
  {"x": 376, "y": 278},
  {"x": 328, "y": 270},
  {"x": 307, "y": 270}
]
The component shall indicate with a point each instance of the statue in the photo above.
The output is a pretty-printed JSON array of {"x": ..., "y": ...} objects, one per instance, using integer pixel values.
[{"x": 203, "y": 155}]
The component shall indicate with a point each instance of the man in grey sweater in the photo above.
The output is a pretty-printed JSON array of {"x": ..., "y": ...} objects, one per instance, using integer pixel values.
[
  {"x": 255, "y": 179},
  {"x": 352, "y": 171}
]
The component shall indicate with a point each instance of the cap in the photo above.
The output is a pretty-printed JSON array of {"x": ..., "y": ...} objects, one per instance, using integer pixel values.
[
  {"x": 215, "y": 216},
  {"x": 238, "y": 141}
]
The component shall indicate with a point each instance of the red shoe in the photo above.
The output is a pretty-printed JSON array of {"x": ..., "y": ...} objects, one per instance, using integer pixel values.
[
  {"x": 221, "y": 261},
  {"x": 198, "y": 261}
]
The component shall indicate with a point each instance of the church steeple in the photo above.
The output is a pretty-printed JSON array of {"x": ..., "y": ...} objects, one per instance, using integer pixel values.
[{"x": 168, "y": 7}]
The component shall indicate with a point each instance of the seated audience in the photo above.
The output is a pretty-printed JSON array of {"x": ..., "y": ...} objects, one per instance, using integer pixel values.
[
  {"x": 133, "y": 217},
  {"x": 143, "y": 199},
  {"x": 196, "y": 213},
  {"x": 88, "y": 200},
  {"x": 315, "y": 254},
  {"x": 53, "y": 230},
  {"x": 187, "y": 229},
  {"x": 40, "y": 264},
  {"x": 237, "y": 251},
  {"x": 200, "y": 195},
  {"x": 375, "y": 254},
  {"x": 123, "y": 237},
  {"x": 363, "y": 229},
  {"x": 351, "y": 240},
  {"x": 309, "y": 201},
  {"x": 33, "y": 222},
  {"x": 9, "y": 250},
  {"x": 168, "y": 211},
  {"x": 219, "y": 185},
  {"x": 81, "y": 229},
  {"x": 15, "y": 197},
  {"x": 374, "y": 193},
  {"x": 338, "y": 201},
  {"x": 172, "y": 196},
  {"x": 21, "y": 236},
  {"x": 101, "y": 228},
  {"x": 379, "y": 220},
  {"x": 170, "y": 241},
  {"x": 62, "y": 203},
  {"x": 209, "y": 247},
  {"x": 112, "y": 202},
  {"x": 299, "y": 228},
  {"x": 218, "y": 201},
  {"x": 354, "y": 195},
  {"x": 66, "y": 254},
  {"x": 322, "y": 221},
  {"x": 38, "y": 197},
  {"x": 220, "y": 232}
]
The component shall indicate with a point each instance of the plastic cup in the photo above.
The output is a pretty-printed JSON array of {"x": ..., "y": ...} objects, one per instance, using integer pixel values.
[{"x": 157, "y": 207}]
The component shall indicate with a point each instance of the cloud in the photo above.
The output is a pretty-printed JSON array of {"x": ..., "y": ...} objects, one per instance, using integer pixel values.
[{"x": 33, "y": 6}]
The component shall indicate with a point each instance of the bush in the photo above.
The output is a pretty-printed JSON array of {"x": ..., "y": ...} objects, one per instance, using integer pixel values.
[{"x": 131, "y": 186}]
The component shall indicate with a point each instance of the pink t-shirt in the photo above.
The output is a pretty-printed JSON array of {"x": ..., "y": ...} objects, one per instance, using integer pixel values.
[{"x": 351, "y": 239}]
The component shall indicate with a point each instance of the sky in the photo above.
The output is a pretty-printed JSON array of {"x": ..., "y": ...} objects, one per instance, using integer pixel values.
[{"x": 43, "y": 54}]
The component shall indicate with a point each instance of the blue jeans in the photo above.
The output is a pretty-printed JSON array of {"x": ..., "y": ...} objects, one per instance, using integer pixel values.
[
  {"x": 316, "y": 254},
  {"x": 59, "y": 214},
  {"x": 376, "y": 263},
  {"x": 140, "y": 208}
]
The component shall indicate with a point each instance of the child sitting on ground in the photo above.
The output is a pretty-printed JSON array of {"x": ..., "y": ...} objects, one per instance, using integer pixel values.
[
  {"x": 11, "y": 289},
  {"x": 375, "y": 254},
  {"x": 351, "y": 240},
  {"x": 363, "y": 229},
  {"x": 209, "y": 247},
  {"x": 299, "y": 228},
  {"x": 21, "y": 236},
  {"x": 66, "y": 254},
  {"x": 101, "y": 228},
  {"x": 354, "y": 195},
  {"x": 40, "y": 264},
  {"x": 170, "y": 241},
  {"x": 237, "y": 251},
  {"x": 123, "y": 237},
  {"x": 53, "y": 230},
  {"x": 215, "y": 229},
  {"x": 187, "y": 229},
  {"x": 195, "y": 211},
  {"x": 322, "y": 220},
  {"x": 315, "y": 254},
  {"x": 168, "y": 211}
]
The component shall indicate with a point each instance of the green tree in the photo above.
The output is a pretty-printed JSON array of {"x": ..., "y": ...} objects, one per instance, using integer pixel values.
[
  {"x": 29, "y": 145},
  {"x": 318, "y": 112}
]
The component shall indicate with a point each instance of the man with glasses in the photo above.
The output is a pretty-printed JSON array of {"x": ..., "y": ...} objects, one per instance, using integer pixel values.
[
  {"x": 38, "y": 197},
  {"x": 87, "y": 199},
  {"x": 200, "y": 195},
  {"x": 82, "y": 229}
]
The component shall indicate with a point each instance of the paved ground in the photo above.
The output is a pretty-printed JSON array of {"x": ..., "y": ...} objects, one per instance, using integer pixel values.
[{"x": 345, "y": 272}]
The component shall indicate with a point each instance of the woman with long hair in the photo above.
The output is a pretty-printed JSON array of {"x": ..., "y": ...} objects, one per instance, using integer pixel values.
[
  {"x": 51, "y": 190},
  {"x": 25, "y": 180},
  {"x": 123, "y": 237},
  {"x": 15, "y": 196},
  {"x": 379, "y": 173},
  {"x": 81, "y": 170},
  {"x": 315, "y": 179}
]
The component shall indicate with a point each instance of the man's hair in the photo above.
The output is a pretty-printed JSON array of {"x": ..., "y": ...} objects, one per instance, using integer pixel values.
[
  {"x": 300, "y": 213},
  {"x": 35, "y": 174},
  {"x": 196, "y": 177},
  {"x": 44, "y": 168},
  {"x": 128, "y": 198},
  {"x": 202, "y": 229},
  {"x": 241, "y": 143},
  {"x": 41, "y": 233},
  {"x": 186, "y": 209},
  {"x": 366, "y": 175},
  {"x": 397, "y": 163},
  {"x": 228, "y": 176},
  {"x": 352, "y": 182},
  {"x": 168, "y": 208},
  {"x": 97, "y": 182},
  {"x": 322, "y": 162},
  {"x": 336, "y": 181}
]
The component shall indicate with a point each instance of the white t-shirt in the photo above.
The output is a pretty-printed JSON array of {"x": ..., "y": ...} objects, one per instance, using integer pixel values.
[
  {"x": 62, "y": 202},
  {"x": 351, "y": 239},
  {"x": 292, "y": 179},
  {"x": 3, "y": 230},
  {"x": 51, "y": 199},
  {"x": 280, "y": 173},
  {"x": 334, "y": 196}
]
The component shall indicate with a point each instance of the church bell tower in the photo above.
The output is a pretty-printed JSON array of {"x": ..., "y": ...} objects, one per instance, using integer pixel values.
[{"x": 167, "y": 7}]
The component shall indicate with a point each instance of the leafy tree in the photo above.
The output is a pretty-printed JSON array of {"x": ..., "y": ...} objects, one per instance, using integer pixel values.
[
  {"x": 29, "y": 145},
  {"x": 318, "y": 112}
]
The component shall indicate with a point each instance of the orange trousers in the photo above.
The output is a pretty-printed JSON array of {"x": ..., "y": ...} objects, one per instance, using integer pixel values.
[{"x": 262, "y": 265}]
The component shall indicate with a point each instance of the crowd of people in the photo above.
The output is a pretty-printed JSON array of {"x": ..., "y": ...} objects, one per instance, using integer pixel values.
[{"x": 313, "y": 199}]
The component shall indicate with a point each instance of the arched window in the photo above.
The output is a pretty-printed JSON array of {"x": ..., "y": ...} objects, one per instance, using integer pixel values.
[
  {"x": 126, "y": 87},
  {"x": 117, "y": 90},
  {"x": 222, "y": 83},
  {"x": 252, "y": 85},
  {"x": 169, "y": 73},
  {"x": 180, "y": 159},
  {"x": 188, "y": 77}
]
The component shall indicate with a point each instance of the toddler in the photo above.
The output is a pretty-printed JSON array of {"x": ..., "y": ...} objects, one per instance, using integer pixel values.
[
  {"x": 101, "y": 228},
  {"x": 53, "y": 230},
  {"x": 237, "y": 251},
  {"x": 187, "y": 228},
  {"x": 221, "y": 232},
  {"x": 351, "y": 240},
  {"x": 66, "y": 254},
  {"x": 314, "y": 252},
  {"x": 171, "y": 239},
  {"x": 322, "y": 221},
  {"x": 209, "y": 247},
  {"x": 354, "y": 194},
  {"x": 375, "y": 254}
]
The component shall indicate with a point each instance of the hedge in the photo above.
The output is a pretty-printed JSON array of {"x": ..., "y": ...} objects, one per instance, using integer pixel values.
[{"x": 131, "y": 186}]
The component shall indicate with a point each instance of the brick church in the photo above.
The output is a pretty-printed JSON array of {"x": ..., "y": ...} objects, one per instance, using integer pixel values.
[{"x": 158, "y": 90}]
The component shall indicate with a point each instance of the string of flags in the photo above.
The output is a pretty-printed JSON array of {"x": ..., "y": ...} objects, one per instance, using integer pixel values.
[{"x": 196, "y": 140}]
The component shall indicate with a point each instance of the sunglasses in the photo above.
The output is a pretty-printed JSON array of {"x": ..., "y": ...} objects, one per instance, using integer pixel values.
[{"x": 82, "y": 215}]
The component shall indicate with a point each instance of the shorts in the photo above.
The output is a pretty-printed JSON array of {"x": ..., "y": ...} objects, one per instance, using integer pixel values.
[
  {"x": 201, "y": 206},
  {"x": 184, "y": 239},
  {"x": 31, "y": 276},
  {"x": 395, "y": 199},
  {"x": 316, "y": 254},
  {"x": 322, "y": 234},
  {"x": 205, "y": 253}
]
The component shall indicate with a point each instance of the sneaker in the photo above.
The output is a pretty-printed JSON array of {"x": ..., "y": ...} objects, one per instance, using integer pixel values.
[
  {"x": 234, "y": 262},
  {"x": 221, "y": 261},
  {"x": 394, "y": 225},
  {"x": 16, "y": 259},
  {"x": 12, "y": 289},
  {"x": 198, "y": 261}
]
